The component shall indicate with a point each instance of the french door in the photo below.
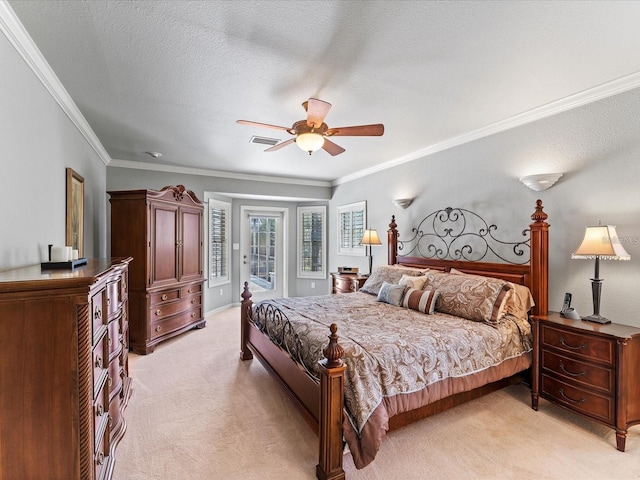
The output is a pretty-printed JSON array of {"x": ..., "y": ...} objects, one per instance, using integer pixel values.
[{"x": 263, "y": 251}]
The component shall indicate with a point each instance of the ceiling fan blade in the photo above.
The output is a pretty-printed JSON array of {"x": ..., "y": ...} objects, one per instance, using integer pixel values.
[
  {"x": 280, "y": 145},
  {"x": 374, "y": 130},
  {"x": 316, "y": 111},
  {"x": 332, "y": 148},
  {"x": 263, "y": 125}
]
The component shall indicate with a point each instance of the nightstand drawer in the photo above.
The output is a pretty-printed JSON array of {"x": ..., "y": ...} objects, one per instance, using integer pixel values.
[
  {"x": 600, "y": 407},
  {"x": 346, "y": 284},
  {"x": 578, "y": 344},
  {"x": 586, "y": 374}
]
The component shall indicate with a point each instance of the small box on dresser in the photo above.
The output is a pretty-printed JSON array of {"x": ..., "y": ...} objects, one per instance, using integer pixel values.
[
  {"x": 589, "y": 368},
  {"x": 64, "y": 380}
]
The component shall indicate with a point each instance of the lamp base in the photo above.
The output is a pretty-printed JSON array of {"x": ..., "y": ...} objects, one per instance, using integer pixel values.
[{"x": 596, "y": 319}]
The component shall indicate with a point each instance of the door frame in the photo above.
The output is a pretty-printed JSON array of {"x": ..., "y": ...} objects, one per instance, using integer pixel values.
[{"x": 284, "y": 212}]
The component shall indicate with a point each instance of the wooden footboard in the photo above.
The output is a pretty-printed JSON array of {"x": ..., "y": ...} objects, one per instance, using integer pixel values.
[{"x": 321, "y": 405}]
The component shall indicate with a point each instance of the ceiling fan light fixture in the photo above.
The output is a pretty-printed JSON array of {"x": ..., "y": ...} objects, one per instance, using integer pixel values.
[{"x": 310, "y": 141}]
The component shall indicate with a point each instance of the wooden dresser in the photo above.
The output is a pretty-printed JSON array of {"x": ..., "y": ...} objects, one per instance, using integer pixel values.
[
  {"x": 589, "y": 368},
  {"x": 347, "y": 282},
  {"x": 163, "y": 232},
  {"x": 64, "y": 381}
]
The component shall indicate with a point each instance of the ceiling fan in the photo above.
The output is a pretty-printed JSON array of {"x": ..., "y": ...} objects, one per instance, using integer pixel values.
[{"x": 313, "y": 134}]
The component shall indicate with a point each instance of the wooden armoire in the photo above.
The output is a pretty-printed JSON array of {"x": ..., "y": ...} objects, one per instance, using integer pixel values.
[{"x": 163, "y": 231}]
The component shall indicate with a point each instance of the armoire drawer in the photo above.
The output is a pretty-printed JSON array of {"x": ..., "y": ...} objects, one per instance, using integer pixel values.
[{"x": 169, "y": 324}]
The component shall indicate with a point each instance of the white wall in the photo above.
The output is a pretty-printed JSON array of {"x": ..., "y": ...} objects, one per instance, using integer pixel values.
[
  {"x": 596, "y": 146},
  {"x": 38, "y": 143}
]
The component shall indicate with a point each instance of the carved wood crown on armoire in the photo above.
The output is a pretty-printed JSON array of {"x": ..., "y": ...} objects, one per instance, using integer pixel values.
[{"x": 163, "y": 231}]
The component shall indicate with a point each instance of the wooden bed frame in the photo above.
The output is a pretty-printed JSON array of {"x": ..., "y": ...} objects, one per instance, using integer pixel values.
[{"x": 322, "y": 404}]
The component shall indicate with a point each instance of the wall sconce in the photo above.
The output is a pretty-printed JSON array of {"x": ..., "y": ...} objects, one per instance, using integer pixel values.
[
  {"x": 402, "y": 202},
  {"x": 540, "y": 182}
]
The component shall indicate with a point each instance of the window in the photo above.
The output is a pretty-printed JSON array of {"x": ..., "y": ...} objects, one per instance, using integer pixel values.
[
  {"x": 352, "y": 219},
  {"x": 219, "y": 244},
  {"x": 312, "y": 242}
]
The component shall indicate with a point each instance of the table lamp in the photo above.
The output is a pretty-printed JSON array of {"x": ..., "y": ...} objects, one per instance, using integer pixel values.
[
  {"x": 600, "y": 241},
  {"x": 369, "y": 238}
]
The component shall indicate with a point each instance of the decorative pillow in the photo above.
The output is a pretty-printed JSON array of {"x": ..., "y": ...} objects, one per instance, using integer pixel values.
[
  {"x": 391, "y": 293},
  {"x": 518, "y": 303},
  {"x": 470, "y": 296},
  {"x": 421, "y": 300},
  {"x": 413, "y": 282},
  {"x": 389, "y": 274}
]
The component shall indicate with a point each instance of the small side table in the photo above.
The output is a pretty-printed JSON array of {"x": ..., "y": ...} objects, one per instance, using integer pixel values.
[{"x": 347, "y": 282}]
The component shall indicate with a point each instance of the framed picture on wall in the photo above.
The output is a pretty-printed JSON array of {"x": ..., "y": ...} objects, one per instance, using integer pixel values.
[{"x": 75, "y": 211}]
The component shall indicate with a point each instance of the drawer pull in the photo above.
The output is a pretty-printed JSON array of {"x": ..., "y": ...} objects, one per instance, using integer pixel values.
[
  {"x": 352, "y": 287},
  {"x": 158, "y": 312},
  {"x": 158, "y": 328},
  {"x": 164, "y": 296},
  {"x": 564, "y": 370},
  {"x": 99, "y": 362},
  {"x": 100, "y": 459},
  {"x": 108, "y": 302},
  {"x": 109, "y": 381},
  {"x": 194, "y": 314},
  {"x": 581, "y": 347},
  {"x": 194, "y": 301},
  {"x": 569, "y": 399},
  {"x": 100, "y": 410},
  {"x": 190, "y": 290},
  {"x": 98, "y": 314}
]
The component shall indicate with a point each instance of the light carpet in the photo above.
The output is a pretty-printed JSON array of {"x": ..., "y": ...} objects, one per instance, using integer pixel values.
[{"x": 197, "y": 412}]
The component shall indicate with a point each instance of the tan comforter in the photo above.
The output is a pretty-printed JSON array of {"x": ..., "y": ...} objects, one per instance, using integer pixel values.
[{"x": 393, "y": 354}]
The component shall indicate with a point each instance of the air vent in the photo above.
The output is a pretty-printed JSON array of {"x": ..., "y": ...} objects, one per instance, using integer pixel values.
[{"x": 264, "y": 140}]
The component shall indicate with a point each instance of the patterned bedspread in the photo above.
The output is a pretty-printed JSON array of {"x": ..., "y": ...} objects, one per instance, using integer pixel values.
[{"x": 389, "y": 350}]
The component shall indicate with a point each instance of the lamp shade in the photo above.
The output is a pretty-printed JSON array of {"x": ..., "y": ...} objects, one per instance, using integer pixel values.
[
  {"x": 310, "y": 141},
  {"x": 370, "y": 237},
  {"x": 601, "y": 241}
]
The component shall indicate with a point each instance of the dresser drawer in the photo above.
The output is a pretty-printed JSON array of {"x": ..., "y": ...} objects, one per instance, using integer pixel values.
[
  {"x": 115, "y": 378},
  {"x": 166, "y": 325},
  {"x": 100, "y": 359},
  {"x": 577, "y": 344},
  {"x": 99, "y": 316},
  {"x": 101, "y": 407},
  {"x": 598, "y": 406},
  {"x": 586, "y": 374},
  {"x": 102, "y": 451},
  {"x": 113, "y": 297}
]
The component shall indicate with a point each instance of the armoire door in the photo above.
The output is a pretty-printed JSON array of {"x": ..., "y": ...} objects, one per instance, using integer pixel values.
[
  {"x": 163, "y": 243},
  {"x": 190, "y": 251}
]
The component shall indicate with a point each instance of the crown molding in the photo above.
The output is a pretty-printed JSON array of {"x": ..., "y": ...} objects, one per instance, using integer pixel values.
[
  {"x": 217, "y": 173},
  {"x": 614, "y": 87},
  {"x": 22, "y": 42}
]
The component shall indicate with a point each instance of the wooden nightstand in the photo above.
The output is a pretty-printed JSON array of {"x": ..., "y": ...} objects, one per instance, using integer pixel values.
[
  {"x": 347, "y": 282},
  {"x": 591, "y": 369}
]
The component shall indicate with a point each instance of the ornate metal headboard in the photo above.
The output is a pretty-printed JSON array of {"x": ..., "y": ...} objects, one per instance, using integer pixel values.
[
  {"x": 462, "y": 239},
  {"x": 460, "y": 234}
]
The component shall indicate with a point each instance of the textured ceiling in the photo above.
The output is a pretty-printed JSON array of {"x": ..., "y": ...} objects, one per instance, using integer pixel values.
[{"x": 174, "y": 76}]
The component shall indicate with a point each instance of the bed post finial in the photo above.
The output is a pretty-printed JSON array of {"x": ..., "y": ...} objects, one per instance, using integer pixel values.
[
  {"x": 245, "y": 318},
  {"x": 331, "y": 410},
  {"x": 539, "y": 215},
  {"x": 333, "y": 352},
  {"x": 539, "y": 260},
  {"x": 392, "y": 242}
]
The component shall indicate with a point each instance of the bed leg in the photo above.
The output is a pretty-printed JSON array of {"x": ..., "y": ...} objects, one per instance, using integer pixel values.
[
  {"x": 331, "y": 410},
  {"x": 245, "y": 314}
]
